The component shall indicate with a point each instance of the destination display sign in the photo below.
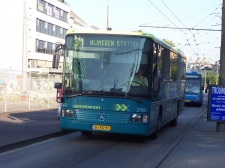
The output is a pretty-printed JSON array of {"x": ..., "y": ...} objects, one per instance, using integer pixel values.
[
  {"x": 193, "y": 76},
  {"x": 216, "y": 103},
  {"x": 108, "y": 41}
]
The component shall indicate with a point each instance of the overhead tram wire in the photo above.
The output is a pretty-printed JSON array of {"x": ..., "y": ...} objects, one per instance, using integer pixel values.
[
  {"x": 207, "y": 21},
  {"x": 210, "y": 21},
  {"x": 205, "y": 18},
  {"x": 169, "y": 20},
  {"x": 182, "y": 24},
  {"x": 182, "y": 28},
  {"x": 199, "y": 12},
  {"x": 202, "y": 10},
  {"x": 193, "y": 35},
  {"x": 176, "y": 27},
  {"x": 162, "y": 14},
  {"x": 209, "y": 42}
]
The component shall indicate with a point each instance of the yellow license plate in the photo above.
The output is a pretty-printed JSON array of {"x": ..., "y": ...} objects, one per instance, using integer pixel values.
[
  {"x": 187, "y": 100},
  {"x": 101, "y": 127}
]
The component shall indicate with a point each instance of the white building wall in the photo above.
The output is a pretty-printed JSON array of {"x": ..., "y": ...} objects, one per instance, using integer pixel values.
[
  {"x": 18, "y": 32},
  {"x": 11, "y": 34},
  {"x": 33, "y": 14}
]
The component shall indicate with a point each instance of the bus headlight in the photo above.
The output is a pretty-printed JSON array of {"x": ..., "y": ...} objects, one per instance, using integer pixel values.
[
  {"x": 67, "y": 113},
  {"x": 139, "y": 118}
]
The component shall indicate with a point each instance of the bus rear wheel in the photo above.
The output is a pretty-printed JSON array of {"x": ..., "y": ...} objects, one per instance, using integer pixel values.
[{"x": 173, "y": 123}]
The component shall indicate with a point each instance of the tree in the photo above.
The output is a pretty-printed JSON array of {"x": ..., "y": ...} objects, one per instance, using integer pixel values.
[
  {"x": 140, "y": 31},
  {"x": 210, "y": 78},
  {"x": 169, "y": 42}
]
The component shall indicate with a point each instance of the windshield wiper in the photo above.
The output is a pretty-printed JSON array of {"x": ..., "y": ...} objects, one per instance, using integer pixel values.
[
  {"x": 74, "y": 95},
  {"x": 94, "y": 92},
  {"x": 89, "y": 92}
]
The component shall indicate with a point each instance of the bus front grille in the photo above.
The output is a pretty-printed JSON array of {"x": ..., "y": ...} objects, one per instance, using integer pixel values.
[{"x": 102, "y": 116}]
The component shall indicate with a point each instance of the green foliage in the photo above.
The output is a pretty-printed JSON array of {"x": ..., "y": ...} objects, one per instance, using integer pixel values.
[
  {"x": 169, "y": 42},
  {"x": 140, "y": 31},
  {"x": 210, "y": 78}
]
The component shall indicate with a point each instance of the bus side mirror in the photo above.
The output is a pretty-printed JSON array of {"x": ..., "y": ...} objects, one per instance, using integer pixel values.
[
  {"x": 58, "y": 85},
  {"x": 156, "y": 85},
  {"x": 55, "y": 62}
]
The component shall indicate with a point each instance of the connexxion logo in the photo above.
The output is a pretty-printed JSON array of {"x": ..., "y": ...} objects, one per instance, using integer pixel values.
[{"x": 121, "y": 107}]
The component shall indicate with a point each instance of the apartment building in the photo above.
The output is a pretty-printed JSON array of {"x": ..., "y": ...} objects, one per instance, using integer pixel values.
[
  {"x": 45, "y": 26},
  {"x": 31, "y": 32}
]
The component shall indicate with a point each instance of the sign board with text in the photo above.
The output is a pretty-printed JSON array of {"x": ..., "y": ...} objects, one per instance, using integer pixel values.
[{"x": 216, "y": 103}]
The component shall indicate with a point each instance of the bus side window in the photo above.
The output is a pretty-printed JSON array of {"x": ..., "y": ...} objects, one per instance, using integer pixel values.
[{"x": 154, "y": 68}]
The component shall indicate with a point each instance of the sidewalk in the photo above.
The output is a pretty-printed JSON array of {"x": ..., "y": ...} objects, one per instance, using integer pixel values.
[
  {"x": 20, "y": 126},
  {"x": 201, "y": 147}
]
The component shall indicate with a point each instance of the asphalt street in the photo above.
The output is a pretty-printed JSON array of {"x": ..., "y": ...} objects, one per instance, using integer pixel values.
[{"x": 201, "y": 147}]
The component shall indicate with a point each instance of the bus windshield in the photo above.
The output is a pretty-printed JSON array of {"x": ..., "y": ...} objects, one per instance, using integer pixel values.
[
  {"x": 193, "y": 86},
  {"x": 105, "y": 64}
]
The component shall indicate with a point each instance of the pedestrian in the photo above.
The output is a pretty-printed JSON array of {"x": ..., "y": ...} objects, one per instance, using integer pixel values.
[{"x": 59, "y": 98}]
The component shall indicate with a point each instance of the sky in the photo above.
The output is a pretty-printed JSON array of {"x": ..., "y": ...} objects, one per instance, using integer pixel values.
[
  {"x": 11, "y": 34},
  {"x": 191, "y": 24}
]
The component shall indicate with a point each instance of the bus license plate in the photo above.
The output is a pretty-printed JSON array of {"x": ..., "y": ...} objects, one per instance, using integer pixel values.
[
  {"x": 187, "y": 101},
  {"x": 101, "y": 127}
]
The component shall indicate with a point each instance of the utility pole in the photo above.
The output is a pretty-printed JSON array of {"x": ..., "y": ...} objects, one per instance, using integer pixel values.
[
  {"x": 220, "y": 126},
  {"x": 107, "y": 22}
]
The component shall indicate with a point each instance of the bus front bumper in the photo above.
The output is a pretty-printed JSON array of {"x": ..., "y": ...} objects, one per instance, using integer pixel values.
[{"x": 129, "y": 128}]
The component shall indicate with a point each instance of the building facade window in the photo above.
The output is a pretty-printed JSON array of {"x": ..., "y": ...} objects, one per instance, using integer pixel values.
[
  {"x": 50, "y": 29},
  {"x": 37, "y": 25},
  {"x": 46, "y": 47},
  {"x": 40, "y": 5},
  {"x": 57, "y": 11},
  {"x": 51, "y": 10}
]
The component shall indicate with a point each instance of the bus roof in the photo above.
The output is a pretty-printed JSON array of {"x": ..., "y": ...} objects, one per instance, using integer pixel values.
[
  {"x": 131, "y": 33},
  {"x": 193, "y": 74}
]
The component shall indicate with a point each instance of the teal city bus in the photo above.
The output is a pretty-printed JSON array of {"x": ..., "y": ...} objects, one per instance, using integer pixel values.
[
  {"x": 194, "y": 89},
  {"x": 98, "y": 90}
]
